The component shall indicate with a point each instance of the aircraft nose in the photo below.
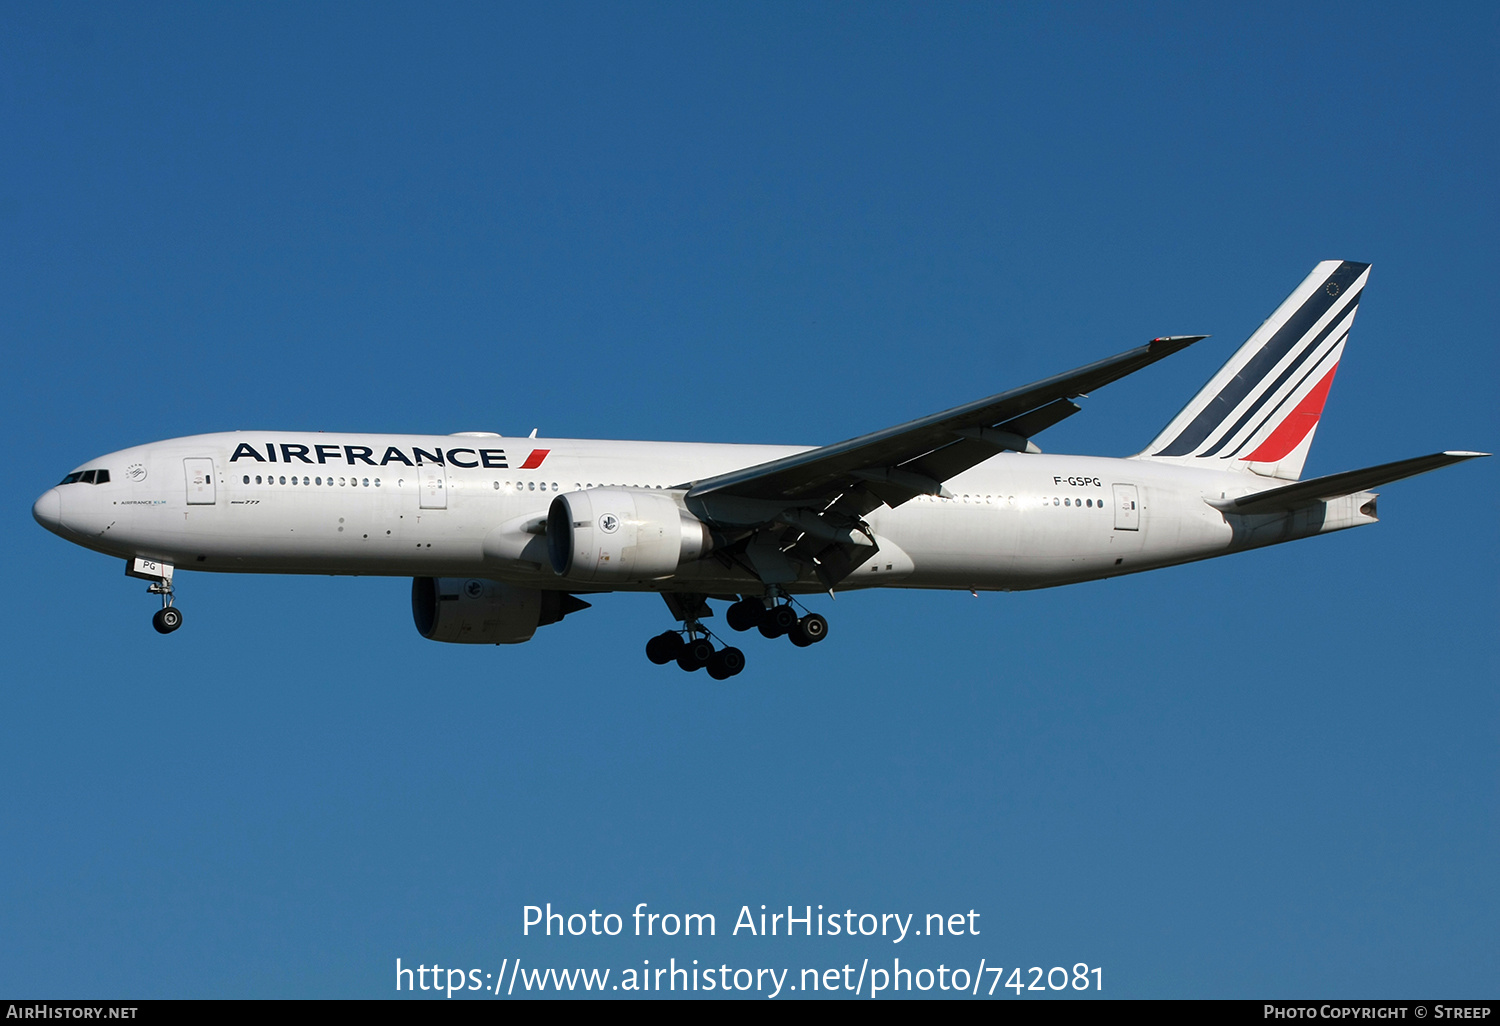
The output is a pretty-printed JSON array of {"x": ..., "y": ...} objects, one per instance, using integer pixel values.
[{"x": 48, "y": 510}]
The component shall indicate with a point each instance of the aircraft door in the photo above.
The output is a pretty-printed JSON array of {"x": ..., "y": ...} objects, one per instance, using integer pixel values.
[
  {"x": 432, "y": 486},
  {"x": 200, "y": 481},
  {"x": 1127, "y": 508}
]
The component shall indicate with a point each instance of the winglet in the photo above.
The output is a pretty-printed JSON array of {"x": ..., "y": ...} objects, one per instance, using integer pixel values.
[{"x": 1169, "y": 344}]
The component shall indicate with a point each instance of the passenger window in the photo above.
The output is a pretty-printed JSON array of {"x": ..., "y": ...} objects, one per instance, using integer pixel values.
[
  {"x": 257, "y": 479},
  {"x": 1067, "y": 502},
  {"x": 377, "y": 482},
  {"x": 317, "y": 480},
  {"x": 1054, "y": 502},
  {"x": 531, "y": 485},
  {"x": 367, "y": 482},
  {"x": 247, "y": 478},
  {"x": 283, "y": 480}
]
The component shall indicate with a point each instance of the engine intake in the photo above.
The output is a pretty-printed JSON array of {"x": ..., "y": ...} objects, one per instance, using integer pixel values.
[
  {"x": 622, "y": 534},
  {"x": 472, "y": 610}
]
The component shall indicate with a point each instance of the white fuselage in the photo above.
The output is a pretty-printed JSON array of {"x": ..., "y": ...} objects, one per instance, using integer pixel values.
[{"x": 454, "y": 506}]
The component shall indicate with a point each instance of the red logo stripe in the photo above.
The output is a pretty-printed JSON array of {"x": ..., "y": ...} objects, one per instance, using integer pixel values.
[
  {"x": 535, "y": 459},
  {"x": 1290, "y": 432}
]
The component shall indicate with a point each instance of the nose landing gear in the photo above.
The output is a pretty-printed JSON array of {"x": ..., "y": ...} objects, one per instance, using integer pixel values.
[{"x": 168, "y": 618}]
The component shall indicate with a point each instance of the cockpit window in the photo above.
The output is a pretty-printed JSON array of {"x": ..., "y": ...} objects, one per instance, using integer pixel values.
[{"x": 86, "y": 477}]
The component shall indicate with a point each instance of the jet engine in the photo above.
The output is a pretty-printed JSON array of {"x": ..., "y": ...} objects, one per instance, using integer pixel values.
[
  {"x": 622, "y": 534},
  {"x": 481, "y": 612}
]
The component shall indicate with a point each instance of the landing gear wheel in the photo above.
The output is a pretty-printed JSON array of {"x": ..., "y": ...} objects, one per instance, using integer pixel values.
[
  {"x": 166, "y": 620},
  {"x": 725, "y": 663},
  {"x": 663, "y": 648},
  {"x": 810, "y": 630},
  {"x": 745, "y": 614},
  {"x": 695, "y": 654},
  {"x": 778, "y": 620}
]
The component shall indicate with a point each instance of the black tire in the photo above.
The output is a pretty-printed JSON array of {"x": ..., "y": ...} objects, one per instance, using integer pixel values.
[
  {"x": 778, "y": 621},
  {"x": 726, "y": 663},
  {"x": 745, "y": 614},
  {"x": 167, "y": 620},
  {"x": 663, "y": 648},
  {"x": 695, "y": 654},
  {"x": 811, "y": 629},
  {"x": 796, "y": 637}
]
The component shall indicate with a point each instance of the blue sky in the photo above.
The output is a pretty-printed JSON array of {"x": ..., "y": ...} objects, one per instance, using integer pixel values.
[{"x": 1272, "y": 774}]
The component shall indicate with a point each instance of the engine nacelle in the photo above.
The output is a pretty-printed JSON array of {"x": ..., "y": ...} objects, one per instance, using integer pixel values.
[
  {"x": 476, "y": 611},
  {"x": 622, "y": 534}
]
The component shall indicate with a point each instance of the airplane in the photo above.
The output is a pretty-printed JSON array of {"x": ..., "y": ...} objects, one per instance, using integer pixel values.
[{"x": 502, "y": 536}]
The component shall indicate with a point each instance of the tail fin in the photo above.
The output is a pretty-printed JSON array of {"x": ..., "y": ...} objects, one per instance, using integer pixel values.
[{"x": 1260, "y": 411}]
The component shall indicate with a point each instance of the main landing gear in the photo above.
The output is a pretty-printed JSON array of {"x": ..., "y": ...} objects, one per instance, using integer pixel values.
[
  {"x": 692, "y": 650},
  {"x": 776, "y": 621},
  {"x": 692, "y": 646}
]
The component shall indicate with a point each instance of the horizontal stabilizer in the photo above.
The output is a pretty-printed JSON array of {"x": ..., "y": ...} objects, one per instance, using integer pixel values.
[{"x": 1303, "y": 492}]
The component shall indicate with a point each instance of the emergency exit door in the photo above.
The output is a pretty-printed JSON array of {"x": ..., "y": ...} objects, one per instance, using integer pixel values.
[
  {"x": 1127, "y": 508},
  {"x": 432, "y": 486},
  {"x": 200, "y": 481}
]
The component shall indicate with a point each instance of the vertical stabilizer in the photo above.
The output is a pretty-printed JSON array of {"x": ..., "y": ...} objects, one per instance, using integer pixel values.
[{"x": 1260, "y": 411}]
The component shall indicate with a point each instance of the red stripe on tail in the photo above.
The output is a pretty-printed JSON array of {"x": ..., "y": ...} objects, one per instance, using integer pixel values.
[{"x": 1290, "y": 432}]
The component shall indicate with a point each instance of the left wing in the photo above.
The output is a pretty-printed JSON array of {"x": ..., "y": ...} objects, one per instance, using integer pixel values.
[
  {"x": 915, "y": 458},
  {"x": 810, "y": 507}
]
